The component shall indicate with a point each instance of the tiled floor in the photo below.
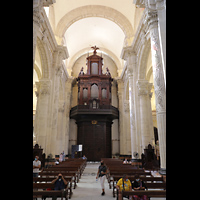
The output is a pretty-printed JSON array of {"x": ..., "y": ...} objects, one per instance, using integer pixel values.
[{"x": 90, "y": 189}]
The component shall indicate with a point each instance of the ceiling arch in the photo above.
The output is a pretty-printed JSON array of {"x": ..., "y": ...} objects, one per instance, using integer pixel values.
[
  {"x": 84, "y": 33},
  {"x": 94, "y": 11},
  {"x": 88, "y": 49}
]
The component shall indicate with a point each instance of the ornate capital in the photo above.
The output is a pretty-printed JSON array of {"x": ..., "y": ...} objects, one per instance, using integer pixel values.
[
  {"x": 43, "y": 87},
  {"x": 37, "y": 17},
  {"x": 59, "y": 71},
  {"x": 151, "y": 18},
  {"x": 47, "y": 3},
  {"x": 129, "y": 72},
  {"x": 139, "y": 3},
  {"x": 142, "y": 87}
]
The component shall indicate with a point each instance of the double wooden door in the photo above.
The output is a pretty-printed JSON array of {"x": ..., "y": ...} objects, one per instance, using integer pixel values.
[{"x": 95, "y": 136}]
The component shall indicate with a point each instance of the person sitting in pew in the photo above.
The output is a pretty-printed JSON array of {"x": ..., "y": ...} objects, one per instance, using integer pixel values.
[
  {"x": 60, "y": 183},
  {"x": 125, "y": 161},
  {"x": 138, "y": 184},
  {"x": 124, "y": 184}
]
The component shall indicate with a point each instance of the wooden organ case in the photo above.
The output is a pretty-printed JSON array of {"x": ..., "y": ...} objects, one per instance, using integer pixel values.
[{"x": 94, "y": 113}]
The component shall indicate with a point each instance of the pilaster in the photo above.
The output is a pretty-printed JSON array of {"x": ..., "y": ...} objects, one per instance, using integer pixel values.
[
  {"x": 121, "y": 114},
  {"x": 143, "y": 93},
  {"x": 42, "y": 110}
]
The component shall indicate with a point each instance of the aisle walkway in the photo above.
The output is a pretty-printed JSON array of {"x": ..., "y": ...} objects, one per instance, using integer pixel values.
[{"x": 90, "y": 189}]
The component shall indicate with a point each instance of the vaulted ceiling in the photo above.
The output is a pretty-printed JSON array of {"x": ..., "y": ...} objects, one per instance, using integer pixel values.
[{"x": 80, "y": 24}]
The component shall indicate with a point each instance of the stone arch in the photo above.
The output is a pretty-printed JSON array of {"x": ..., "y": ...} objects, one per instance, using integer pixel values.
[
  {"x": 94, "y": 11},
  {"x": 44, "y": 59},
  {"x": 149, "y": 73},
  {"x": 87, "y": 49},
  {"x": 142, "y": 59}
]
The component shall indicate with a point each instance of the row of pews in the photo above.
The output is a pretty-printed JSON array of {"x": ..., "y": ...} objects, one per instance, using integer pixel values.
[
  {"x": 71, "y": 169},
  {"x": 156, "y": 186}
]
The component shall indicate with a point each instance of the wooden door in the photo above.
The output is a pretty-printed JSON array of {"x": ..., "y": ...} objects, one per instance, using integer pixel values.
[{"x": 96, "y": 140}]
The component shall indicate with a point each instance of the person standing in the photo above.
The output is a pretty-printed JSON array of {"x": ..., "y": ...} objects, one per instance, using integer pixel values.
[
  {"x": 61, "y": 157},
  {"x": 36, "y": 166},
  {"x": 102, "y": 171}
]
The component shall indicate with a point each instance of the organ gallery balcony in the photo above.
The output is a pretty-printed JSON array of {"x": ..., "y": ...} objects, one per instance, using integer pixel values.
[{"x": 94, "y": 108}]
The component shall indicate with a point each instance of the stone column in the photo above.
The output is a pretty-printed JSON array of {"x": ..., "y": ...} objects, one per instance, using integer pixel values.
[
  {"x": 121, "y": 115},
  {"x": 54, "y": 119},
  {"x": 132, "y": 111},
  {"x": 68, "y": 90},
  {"x": 159, "y": 84},
  {"x": 161, "y": 9},
  {"x": 129, "y": 55},
  {"x": 60, "y": 132},
  {"x": 144, "y": 112},
  {"x": 40, "y": 128},
  {"x": 149, "y": 108}
]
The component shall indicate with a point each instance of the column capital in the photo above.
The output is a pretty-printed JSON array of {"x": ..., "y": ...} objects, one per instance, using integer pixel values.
[
  {"x": 129, "y": 72},
  {"x": 153, "y": 4},
  {"x": 47, "y": 3},
  {"x": 142, "y": 87},
  {"x": 151, "y": 18},
  {"x": 37, "y": 19},
  {"x": 43, "y": 87},
  {"x": 129, "y": 55},
  {"x": 59, "y": 71}
]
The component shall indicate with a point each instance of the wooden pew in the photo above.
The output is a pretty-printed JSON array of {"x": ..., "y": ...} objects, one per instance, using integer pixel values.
[
  {"x": 65, "y": 174},
  {"x": 116, "y": 167},
  {"x": 70, "y": 165},
  {"x": 150, "y": 182},
  {"x": 64, "y": 170},
  {"x": 49, "y": 193},
  {"x": 122, "y": 172},
  {"x": 149, "y": 193},
  {"x": 50, "y": 179}
]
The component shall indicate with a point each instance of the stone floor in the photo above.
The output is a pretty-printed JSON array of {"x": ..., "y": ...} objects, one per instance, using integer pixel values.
[{"x": 90, "y": 189}]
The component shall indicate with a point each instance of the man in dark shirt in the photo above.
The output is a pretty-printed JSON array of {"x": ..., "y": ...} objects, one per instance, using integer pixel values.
[{"x": 59, "y": 182}]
